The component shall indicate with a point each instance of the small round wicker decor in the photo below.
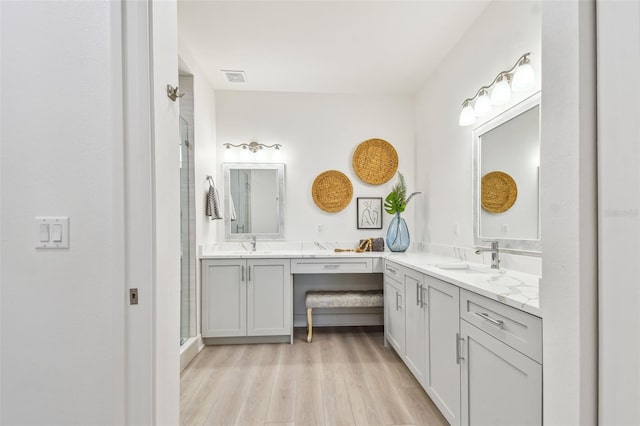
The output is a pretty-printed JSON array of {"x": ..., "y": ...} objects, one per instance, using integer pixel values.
[
  {"x": 499, "y": 192},
  {"x": 332, "y": 191},
  {"x": 375, "y": 161}
]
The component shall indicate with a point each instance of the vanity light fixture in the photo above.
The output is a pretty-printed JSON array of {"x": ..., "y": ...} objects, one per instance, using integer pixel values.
[
  {"x": 519, "y": 78},
  {"x": 252, "y": 146}
]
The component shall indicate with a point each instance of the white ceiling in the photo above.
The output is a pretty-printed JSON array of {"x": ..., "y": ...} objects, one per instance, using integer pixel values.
[{"x": 324, "y": 46}]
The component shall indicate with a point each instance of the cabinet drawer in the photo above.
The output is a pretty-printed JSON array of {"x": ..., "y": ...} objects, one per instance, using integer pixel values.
[
  {"x": 518, "y": 329},
  {"x": 393, "y": 270},
  {"x": 332, "y": 266}
]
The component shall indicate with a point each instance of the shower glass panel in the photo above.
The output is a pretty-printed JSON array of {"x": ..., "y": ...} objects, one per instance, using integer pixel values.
[{"x": 187, "y": 233}]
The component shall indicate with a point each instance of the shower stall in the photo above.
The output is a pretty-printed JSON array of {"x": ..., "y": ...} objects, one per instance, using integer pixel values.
[{"x": 187, "y": 233}]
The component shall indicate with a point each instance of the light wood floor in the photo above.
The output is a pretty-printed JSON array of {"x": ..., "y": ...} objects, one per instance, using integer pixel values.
[{"x": 345, "y": 377}]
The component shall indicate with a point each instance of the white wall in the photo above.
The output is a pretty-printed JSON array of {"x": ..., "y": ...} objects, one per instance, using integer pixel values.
[
  {"x": 318, "y": 133},
  {"x": 496, "y": 40},
  {"x": 568, "y": 293},
  {"x": 62, "y": 310},
  {"x": 619, "y": 212}
]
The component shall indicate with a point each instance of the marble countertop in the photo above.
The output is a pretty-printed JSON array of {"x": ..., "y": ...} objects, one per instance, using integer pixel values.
[
  {"x": 517, "y": 289},
  {"x": 513, "y": 288}
]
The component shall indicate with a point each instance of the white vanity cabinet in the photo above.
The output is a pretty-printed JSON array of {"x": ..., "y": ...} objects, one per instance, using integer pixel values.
[
  {"x": 394, "y": 316},
  {"x": 243, "y": 297},
  {"x": 479, "y": 360},
  {"x": 442, "y": 364},
  {"x": 501, "y": 385}
]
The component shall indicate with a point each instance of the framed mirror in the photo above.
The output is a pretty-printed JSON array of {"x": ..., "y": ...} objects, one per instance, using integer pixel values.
[
  {"x": 506, "y": 171},
  {"x": 253, "y": 201}
]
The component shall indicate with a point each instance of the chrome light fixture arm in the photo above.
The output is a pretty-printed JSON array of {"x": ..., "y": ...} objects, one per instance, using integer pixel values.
[
  {"x": 523, "y": 59},
  {"x": 252, "y": 146}
]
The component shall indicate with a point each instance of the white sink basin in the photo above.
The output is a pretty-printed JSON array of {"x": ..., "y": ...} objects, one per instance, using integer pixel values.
[
  {"x": 465, "y": 268},
  {"x": 246, "y": 252}
]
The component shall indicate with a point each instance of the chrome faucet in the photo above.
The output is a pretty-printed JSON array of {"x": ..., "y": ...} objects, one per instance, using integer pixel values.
[
  {"x": 253, "y": 243},
  {"x": 495, "y": 257}
]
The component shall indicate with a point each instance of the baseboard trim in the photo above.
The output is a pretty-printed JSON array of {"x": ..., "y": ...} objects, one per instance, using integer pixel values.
[{"x": 212, "y": 341}]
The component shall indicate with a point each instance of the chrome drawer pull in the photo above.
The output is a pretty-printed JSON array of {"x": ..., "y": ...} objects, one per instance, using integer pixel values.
[
  {"x": 331, "y": 266},
  {"x": 484, "y": 315},
  {"x": 391, "y": 270},
  {"x": 418, "y": 288},
  {"x": 459, "y": 340}
]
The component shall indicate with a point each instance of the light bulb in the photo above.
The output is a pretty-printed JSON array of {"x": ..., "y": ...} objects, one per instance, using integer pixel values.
[
  {"x": 483, "y": 104},
  {"x": 501, "y": 93},
  {"x": 524, "y": 77},
  {"x": 467, "y": 116}
]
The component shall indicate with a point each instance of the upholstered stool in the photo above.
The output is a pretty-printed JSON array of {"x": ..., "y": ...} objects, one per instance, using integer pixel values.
[{"x": 340, "y": 299}]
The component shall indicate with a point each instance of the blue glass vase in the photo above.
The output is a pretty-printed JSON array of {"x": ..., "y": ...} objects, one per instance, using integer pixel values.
[{"x": 398, "y": 234}]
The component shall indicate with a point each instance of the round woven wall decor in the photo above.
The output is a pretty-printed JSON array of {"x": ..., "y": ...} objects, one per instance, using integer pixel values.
[
  {"x": 332, "y": 191},
  {"x": 375, "y": 161},
  {"x": 499, "y": 192}
]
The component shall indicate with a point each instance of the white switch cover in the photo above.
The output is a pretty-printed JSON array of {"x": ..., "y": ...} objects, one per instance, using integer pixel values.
[
  {"x": 52, "y": 232},
  {"x": 56, "y": 233},
  {"x": 44, "y": 232}
]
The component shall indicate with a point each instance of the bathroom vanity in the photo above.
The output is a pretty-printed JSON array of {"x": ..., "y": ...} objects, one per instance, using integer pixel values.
[{"x": 471, "y": 336}]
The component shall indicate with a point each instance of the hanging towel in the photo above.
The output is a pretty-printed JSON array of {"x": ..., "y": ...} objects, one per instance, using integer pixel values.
[{"x": 213, "y": 203}]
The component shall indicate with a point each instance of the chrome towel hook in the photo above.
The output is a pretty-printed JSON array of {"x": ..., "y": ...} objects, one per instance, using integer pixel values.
[{"x": 173, "y": 92}]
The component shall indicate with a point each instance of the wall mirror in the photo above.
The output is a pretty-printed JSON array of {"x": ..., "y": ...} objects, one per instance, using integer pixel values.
[
  {"x": 253, "y": 201},
  {"x": 506, "y": 169}
]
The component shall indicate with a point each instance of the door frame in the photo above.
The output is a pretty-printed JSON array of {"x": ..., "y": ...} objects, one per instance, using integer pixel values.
[{"x": 151, "y": 333}]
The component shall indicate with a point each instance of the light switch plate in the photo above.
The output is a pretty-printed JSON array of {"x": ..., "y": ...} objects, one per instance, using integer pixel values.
[{"x": 58, "y": 235}]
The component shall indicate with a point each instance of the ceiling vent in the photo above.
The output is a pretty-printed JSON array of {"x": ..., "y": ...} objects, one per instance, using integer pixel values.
[{"x": 235, "y": 76}]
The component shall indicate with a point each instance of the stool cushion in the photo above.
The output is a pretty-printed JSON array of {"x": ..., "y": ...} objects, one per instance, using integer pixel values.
[{"x": 344, "y": 299}]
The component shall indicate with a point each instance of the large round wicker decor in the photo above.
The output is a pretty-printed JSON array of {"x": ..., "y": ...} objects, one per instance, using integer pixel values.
[
  {"x": 499, "y": 192},
  {"x": 375, "y": 161},
  {"x": 332, "y": 191}
]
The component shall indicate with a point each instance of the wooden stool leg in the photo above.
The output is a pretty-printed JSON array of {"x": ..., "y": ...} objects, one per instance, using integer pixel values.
[{"x": 309, "y": 325}]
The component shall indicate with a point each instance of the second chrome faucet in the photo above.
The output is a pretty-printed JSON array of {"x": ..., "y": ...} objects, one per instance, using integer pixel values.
[{"x": 495, "y": 256}]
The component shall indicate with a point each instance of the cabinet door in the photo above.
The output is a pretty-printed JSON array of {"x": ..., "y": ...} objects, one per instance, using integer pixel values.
[
  {"x": 224, "y": 296},
  {"x": 442, "y": 367},
  {"x": 415, "y": 343},
  {"x": 394, "y": 315},
  {"x": 268, "y": 297},
  {"x": 500, "y": 386}
]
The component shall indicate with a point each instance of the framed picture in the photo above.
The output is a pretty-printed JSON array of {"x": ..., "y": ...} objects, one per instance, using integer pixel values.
[{"x": 369, "y": 213}]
